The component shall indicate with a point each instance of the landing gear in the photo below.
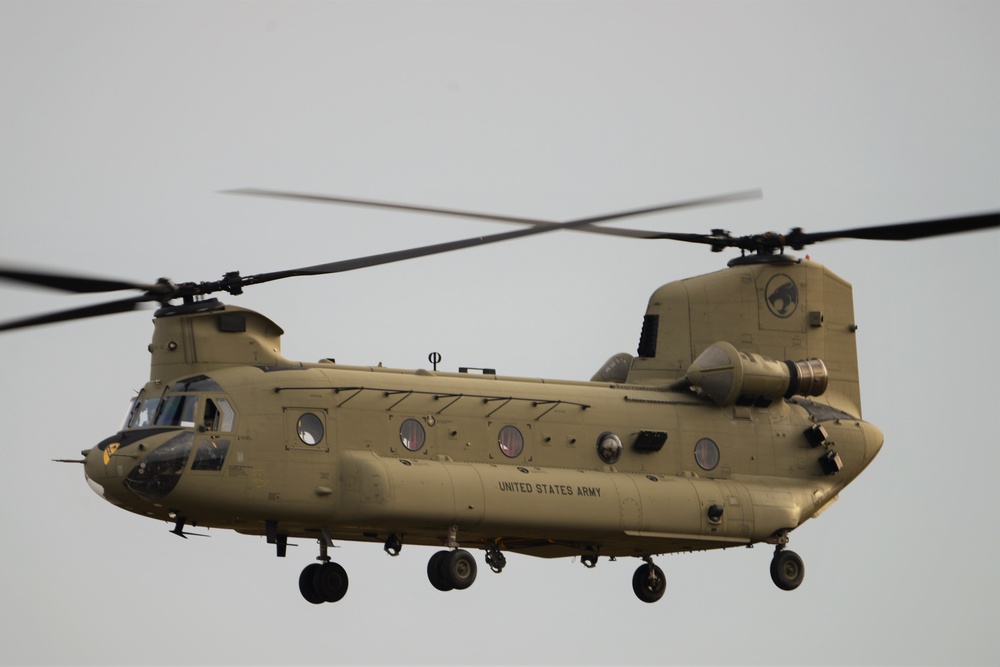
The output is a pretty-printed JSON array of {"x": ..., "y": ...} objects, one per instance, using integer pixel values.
[
  {"x": 325, "y": 581},
  {"x": 648, "y": 582},
  {"x": 787, "y": 569},
  {"x": 451, "y": 570}
]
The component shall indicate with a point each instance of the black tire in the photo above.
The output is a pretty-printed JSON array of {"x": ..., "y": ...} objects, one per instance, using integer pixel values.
[
  {"x": 307, "y": 586},
  {"x": 330, "y": 582},
  {"x": 787, "y": 570},
  {"x": 649, "y": 589},
  {"x": 461, "y": 569},
  {"x": 437, "y": 571}
]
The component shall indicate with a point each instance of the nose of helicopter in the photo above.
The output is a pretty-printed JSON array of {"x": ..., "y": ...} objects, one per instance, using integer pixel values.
[{"x": 98, "y": 470}]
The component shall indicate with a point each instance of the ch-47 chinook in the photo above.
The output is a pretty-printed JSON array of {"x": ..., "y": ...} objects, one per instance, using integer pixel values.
[{"x": 738, "y": 419}]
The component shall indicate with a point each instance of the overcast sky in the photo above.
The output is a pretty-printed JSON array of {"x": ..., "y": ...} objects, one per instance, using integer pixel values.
[{"x": 121, "y": 122}]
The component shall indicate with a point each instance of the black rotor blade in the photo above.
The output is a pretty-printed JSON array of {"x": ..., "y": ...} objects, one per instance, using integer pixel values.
[
  {"x": 539, "y": 227},
  {"x": 587, "y": 227},
  {"x": 70, "y": 282},
  {"x": 409, "y": 253},
  {"x": 904, "y": 231},
  {"x": 109, "y": 308}
]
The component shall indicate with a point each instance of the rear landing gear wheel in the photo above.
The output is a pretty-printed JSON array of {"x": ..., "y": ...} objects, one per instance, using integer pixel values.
[
  {"x": 649, "y": 583},
  {"x": 787, "y": 570}
]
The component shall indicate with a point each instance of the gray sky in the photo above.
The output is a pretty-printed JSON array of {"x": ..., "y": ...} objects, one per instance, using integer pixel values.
[{"x": 122, "y": 121}]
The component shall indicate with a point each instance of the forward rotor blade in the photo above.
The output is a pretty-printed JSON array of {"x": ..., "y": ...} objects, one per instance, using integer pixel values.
[
  {"x": 70, "y": 282},
  {"x": 904, "y": 231},
  {"x": 588, "y": 225},
  {"x": 109, "y": 308},
  {"x": 409, "y": 253}
]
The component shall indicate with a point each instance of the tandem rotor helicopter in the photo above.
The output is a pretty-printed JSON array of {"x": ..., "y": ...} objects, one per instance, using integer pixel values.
[{"x": 738, "y": 419}]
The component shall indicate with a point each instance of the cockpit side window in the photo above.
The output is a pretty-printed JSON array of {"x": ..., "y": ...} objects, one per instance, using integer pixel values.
[{"x": 219, "y": 415}]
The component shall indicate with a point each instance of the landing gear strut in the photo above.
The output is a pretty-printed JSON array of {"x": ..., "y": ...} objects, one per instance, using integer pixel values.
[
  {"x": 648, "y": 582},
  {"x": 325, "y": 581}
]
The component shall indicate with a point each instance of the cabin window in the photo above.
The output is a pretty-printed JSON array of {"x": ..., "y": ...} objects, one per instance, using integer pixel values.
[
  {"x": 609, "y": 448},
  {"x": 706, "y": 453},
  {"x": 511, "y": 441},
  {"x": 412, "y": 435},
  {"x": 310, "y": 429}
]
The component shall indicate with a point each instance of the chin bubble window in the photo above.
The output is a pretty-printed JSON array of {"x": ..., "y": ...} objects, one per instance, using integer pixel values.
[
  {"x": 511, "y": 441},
  {"x": 412, "y": 435},
  {"x": 310, "y": 429},
  {"x": 609, "y": 447}
]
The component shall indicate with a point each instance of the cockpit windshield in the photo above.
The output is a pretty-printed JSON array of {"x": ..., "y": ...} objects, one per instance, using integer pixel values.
[
  {"x": 177, "y": 411},
  {"x": 182, "y": 409},
  {"x": 142, "y": 413}
]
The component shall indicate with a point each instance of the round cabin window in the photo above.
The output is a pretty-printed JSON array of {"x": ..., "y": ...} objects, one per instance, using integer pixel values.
[
  {"x": 511, "y": 441},
  {"x": 310, "y": 429},
  {"x": 609, "y": 448},
  {"x": 706, "y": 453},
  {"x": 412, "y": 435}
]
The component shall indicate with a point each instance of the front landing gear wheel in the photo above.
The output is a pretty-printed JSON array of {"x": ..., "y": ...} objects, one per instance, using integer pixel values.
[
  {"x": 649, "y": 583},
  {"x": 787, "y": 570}
]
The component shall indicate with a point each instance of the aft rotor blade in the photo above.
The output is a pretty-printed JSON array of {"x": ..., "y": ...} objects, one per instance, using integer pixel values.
[
  {"x": 71, "y": 283},
  {"x": 586, "y": 227},
  {"x": 904, "y": 231},
  {"x": 109, "y": 308}
]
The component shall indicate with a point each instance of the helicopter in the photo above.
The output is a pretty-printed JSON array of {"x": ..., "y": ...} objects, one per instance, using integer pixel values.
[{"x": 738, "y": 419}]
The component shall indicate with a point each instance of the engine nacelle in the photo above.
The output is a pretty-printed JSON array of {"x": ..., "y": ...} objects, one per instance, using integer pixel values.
[{"x": 731, "y": 377}]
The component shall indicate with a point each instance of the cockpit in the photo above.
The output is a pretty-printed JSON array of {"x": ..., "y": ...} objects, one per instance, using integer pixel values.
[{"x": 193, "y": 414}]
